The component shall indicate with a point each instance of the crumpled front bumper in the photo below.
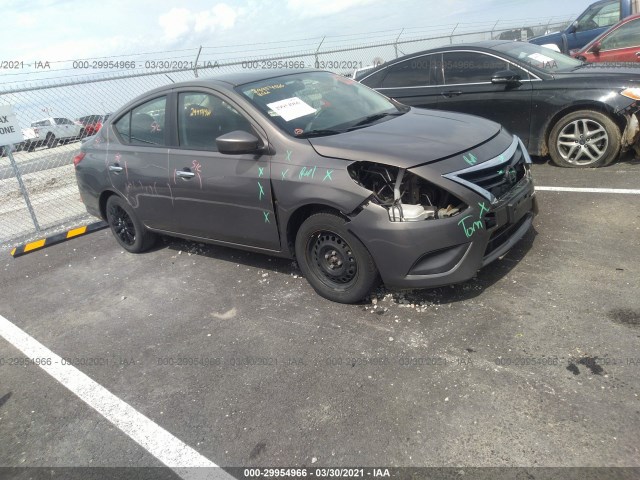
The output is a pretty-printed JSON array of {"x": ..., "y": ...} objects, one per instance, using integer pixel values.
[{"x": 451, "y": 250}]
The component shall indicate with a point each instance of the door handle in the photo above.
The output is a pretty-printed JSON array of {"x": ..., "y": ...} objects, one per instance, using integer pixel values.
[
  {"x": 452, "y": 93},
  {"x": 185, "y": 174},
  {"x": 115, "y": 168}
]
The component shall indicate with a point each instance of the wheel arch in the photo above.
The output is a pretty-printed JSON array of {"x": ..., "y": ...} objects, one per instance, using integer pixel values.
[
  {"x": 102, "y": 202},
  {"x": 299, "y": 215},
  {"x": 593, "y": 105}
]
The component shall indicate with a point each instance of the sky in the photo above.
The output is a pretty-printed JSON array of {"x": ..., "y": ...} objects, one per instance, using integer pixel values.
[
  {"x": 42, "y": 40},
  {"x": 55, "y": 30}
]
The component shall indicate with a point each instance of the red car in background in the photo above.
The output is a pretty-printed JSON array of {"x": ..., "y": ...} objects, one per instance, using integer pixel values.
[
  {"x": 92, "y": 123},
  {"x": 621, "y": 43}
]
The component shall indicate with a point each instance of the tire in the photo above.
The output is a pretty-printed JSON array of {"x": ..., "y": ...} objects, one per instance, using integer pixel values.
[
  {"x": 51, "y": 141},
  {"x": 334, "y": 262},
  {"x": 126, "y": 227},
  {"x": 585, "y": 138}
]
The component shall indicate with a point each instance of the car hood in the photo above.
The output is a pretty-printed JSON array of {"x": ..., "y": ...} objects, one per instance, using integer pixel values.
[
  {"x": 627, "y": 74},
  {"x": 554, "y": 37},
  {"x": 419, "y": 136}
]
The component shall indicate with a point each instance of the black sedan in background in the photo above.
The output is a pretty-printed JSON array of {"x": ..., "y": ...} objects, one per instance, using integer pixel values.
[
  {"x": 581, "y": 114},
  {"x": 312, "y": 165}
]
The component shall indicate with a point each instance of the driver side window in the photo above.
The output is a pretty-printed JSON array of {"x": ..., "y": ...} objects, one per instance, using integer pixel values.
[
  {"x": 602, "y": 16},
  {"x": 627, "y": 36},
  {"x": 203, "y": 117}
]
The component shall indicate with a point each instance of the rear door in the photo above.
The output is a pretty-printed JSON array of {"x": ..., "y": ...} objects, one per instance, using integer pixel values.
[
  {"x": 214, "y": 195},
  {"x": 411, "y": 81},
  {"x": 137, "y": 163},
  {"x": 61, "y": 128}
]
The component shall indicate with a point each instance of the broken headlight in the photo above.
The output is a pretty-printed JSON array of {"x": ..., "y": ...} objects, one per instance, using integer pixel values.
[{"x": 406, "y": 196}]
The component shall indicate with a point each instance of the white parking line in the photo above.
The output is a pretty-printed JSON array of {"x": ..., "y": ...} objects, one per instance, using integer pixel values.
[
  {"x": 589, "y": 190},
  {"x": 171, "y": 451}
]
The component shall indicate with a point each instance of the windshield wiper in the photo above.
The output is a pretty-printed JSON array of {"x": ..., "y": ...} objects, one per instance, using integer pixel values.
[
  {"x": 373, "y": 118},
  {"x": 319, "y": 133}
]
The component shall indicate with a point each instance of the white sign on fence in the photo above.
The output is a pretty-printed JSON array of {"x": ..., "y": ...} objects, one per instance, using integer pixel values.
[{"x": 10, "y": 132}]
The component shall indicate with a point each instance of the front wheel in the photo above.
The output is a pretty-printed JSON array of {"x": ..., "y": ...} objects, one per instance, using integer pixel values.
[
  {"x": 334, "y": 262},
  {"x": 585, "y": 138},
  {"x": 126, "y": 227}
]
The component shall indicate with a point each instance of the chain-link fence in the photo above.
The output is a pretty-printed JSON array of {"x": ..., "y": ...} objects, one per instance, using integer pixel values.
[{"x": 38, "y": 190}]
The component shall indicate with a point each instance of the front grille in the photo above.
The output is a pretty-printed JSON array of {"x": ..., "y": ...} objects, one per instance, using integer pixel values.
[
  {"x": 500, "y": 179},
  {"x": 495, "y": 177}
]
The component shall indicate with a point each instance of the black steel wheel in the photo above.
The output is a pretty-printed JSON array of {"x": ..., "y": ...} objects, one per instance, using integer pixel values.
[
  {"x": 125, "y": 226},
  {"x": 334, "y": 262}
]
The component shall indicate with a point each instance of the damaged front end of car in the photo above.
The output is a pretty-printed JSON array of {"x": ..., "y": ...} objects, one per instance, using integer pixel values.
[{"x": 438, "y": 224}]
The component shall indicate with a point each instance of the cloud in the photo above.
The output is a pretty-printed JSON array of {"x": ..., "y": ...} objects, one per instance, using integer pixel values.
[
  {"x": 321, "y": 8},
  {"x": 222, "y": 15},
  {"x": 179, "y": 22}
]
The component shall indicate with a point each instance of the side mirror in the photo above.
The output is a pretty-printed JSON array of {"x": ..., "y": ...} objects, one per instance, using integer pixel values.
[
  {"x": 573, "y": 28},
  {"x": 505, "y": 77},
  {"x": 596, "y": 47},
  {"x": 238, "y": 142}
]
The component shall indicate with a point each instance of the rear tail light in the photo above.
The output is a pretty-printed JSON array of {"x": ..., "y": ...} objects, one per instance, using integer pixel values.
[{"x": 78, "y": 158}]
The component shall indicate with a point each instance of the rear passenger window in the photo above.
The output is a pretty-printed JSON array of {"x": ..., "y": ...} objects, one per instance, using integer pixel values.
[
  {"x": 144, "y": 125},
  {"x": 203, "y": 117},
  {"x": 416, "y": 72},
  {"x": 122, "y": 127}
]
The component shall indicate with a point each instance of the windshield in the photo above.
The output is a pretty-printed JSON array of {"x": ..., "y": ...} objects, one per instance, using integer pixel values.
[
  {"x": 539, "y": 57},
  {"x": 318, "y": 103}
]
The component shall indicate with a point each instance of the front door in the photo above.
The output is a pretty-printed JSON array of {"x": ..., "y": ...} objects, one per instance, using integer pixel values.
[
  {"x": 621, "y": 45},
  {"x": 467, "y": 88},
  {"x": 214, "y": 195}
]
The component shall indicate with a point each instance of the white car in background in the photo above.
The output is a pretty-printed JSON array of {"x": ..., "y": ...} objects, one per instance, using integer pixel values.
[{"x": 51, "y": 131}]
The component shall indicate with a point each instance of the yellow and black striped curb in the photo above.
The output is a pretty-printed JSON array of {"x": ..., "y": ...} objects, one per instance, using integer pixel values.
[{"x": 58, "y": 238}]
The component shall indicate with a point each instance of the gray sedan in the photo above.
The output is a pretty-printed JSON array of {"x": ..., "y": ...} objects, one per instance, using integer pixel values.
[{"x": 314, "y": 166}]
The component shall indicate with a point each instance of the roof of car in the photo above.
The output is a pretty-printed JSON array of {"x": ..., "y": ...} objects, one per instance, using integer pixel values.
[
  {"x": 255, "y": 75},
  {"x": 482, "y": 44}
]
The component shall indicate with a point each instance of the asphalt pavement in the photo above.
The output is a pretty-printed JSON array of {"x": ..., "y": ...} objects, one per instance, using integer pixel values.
[{"x": 533, "y": 363}]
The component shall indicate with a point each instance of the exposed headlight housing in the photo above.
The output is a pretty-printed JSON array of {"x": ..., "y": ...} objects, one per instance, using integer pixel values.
[
  {"x": 633, "y": 93},
  {"x": 406, "y": 196}
]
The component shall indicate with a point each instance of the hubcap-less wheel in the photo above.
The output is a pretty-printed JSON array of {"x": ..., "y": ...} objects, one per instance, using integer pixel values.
[
  {"x": 122, "y": 225},
  {"x": 583, "y": 142},
  {"x": 332, "y": 260}
]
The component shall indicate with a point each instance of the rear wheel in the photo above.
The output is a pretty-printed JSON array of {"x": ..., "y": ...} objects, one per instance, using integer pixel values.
[
  {"x": 126, "y": 227},
  {"x": 51, "y": 140},
  {"x": 334, "y": 262},
  {"x": 585, "y": 138}
]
